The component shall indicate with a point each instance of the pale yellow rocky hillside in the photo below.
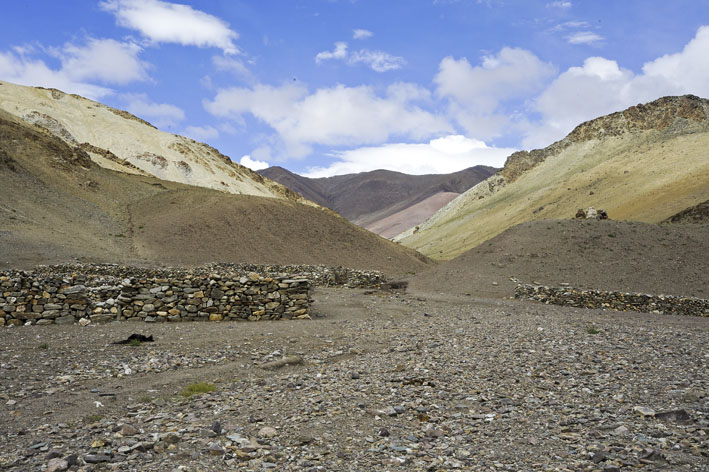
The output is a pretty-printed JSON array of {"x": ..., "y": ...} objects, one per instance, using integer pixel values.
[
  {"x": 644, "y": 164},
  {"x": 118, "y": 140}
]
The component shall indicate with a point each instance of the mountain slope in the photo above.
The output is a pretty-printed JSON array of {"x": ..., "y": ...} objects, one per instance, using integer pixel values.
[
  {"x": 117, "y": 140},
  {"x": 644, "y": 164},
  {"x": 370, "y": 198},
  {"x": 57, "y": 205},
  {"x": 594, "y": 254}
]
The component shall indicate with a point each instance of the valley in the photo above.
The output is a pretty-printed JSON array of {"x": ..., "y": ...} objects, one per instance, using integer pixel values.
[{"x": 439, "y": 367}]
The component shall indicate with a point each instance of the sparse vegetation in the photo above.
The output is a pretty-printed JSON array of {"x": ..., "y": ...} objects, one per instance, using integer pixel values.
[
  {"x": 134, "y": 342},
  {"x": 92, "y": 419},
  {"x": 611, "y": 235},
  {"x": 198, "y": 388},
  {"x": 592, "y": 330},
  {"x": 43, "y": 346}
]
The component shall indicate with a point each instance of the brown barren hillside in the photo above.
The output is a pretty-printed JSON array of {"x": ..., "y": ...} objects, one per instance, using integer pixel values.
[
  {"x": 646, "y": 163},
  {"x": 595, "y": 254},
  {"x": 57, "y": 205}
]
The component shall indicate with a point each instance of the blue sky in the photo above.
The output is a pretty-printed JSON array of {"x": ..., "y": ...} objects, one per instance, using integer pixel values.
[{"x": 325, "y": 87}]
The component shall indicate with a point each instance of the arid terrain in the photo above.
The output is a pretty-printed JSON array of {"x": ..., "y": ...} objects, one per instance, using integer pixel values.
[
  {"x": 57, "y": 205},
  {"x": 595, "y": 254},
  {"x": 449, "y": 372},
  {"x": 387, "y": 382}
]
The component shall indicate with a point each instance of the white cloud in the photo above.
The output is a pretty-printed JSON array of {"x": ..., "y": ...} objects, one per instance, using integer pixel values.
[
  {"x": 252, "y": 164},
  {"x": 34, "y": 72},
  {"x": 378, "y": 61},
  {"x": 334, "y": 116},
  {"x": 584, "y": 37},
  {"x": 601, "y": 86},
  {"x": 559, "y": 4},
  {"x": 164, "y": 22},
  {"x": 361, "y": 34},
  {"x": 104, "y": 60},
  {"x": 476, "y": 94},
  {"x": 442, "y": 155},
  {"x": 339, "y": 52},
  {"x": 162, "y": 115},
  {"x": 567, "y": 25},
  {"x": 201, "y": 133}
]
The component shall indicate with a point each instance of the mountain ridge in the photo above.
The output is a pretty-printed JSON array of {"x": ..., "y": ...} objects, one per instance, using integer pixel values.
[
  {"x": 645, "y": 163},
  {"x": 119, "y": 140},
  {"x": 369, "y": 198}
]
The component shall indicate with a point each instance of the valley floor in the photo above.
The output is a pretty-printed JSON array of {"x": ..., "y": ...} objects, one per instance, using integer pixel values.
[{"x": 388, "y": 382}]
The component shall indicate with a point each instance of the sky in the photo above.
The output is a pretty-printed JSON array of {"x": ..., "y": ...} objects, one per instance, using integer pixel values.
[{"x": 327, "y": 87}]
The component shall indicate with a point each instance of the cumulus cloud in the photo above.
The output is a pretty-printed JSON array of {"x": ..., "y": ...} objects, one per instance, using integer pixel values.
[
  {"x": 361, "y": 34},
  {"x": 584, "y": 37},
  {"x": 601, "y": 86},
  {"x": 201, "y": 133},
  {"x": 164, "y": 22},
  {"x": 104, "y": 60},
  {"x": 253, "y": 164},
  {"x": 559, "y": 4},
  {"x": 162, "y": 115},
  {"x": 442, "y": 155},
  {"x": 378, "y": 61},
  {"x": 476, "y": 94},
  {"x": 339, "y": 52},
  {"x": 334, "y": 116}
]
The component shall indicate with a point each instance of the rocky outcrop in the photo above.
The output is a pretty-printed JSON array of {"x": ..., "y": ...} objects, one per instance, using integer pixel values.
[
  {"x": 669, "y": 115},
  {"x": 695, "y": 214}
]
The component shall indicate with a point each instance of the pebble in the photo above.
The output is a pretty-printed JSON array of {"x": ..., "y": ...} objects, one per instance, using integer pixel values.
[
  {"x": 57, "y": 465},
  {"x": 440, "y": 393}
]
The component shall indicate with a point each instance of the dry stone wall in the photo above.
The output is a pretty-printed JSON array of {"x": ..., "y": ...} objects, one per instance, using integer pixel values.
[
  {"x": 619, "y": 301},
  {"x": 319, "y": 275},
  {"x": 56, "y": 296}
]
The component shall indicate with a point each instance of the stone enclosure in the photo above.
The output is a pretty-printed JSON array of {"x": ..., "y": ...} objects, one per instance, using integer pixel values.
[
  {"x": 618, "y": 301},
  {"x": 101, "y": 293}
]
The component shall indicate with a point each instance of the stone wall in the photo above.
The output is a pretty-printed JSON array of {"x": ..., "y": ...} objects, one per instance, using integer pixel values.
[
  {"x": 568, "y": 296},
  {"x": 57, "y": 295},
  {"x": 318, "y": 275}
]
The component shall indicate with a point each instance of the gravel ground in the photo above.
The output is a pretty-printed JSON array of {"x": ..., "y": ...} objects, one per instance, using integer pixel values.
[{"x": 377, "y": 381}]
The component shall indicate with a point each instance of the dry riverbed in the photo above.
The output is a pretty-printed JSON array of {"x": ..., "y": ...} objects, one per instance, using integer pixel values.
[{"x": 376, "y": 381}]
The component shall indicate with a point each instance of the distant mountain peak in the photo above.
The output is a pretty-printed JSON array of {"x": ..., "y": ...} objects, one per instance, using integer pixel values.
[{"x": 384, "y": 201}]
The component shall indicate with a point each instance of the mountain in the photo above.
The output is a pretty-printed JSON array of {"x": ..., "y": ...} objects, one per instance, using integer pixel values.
[
  {"x": 117, "y": 140},
  {"x": 645, "y": 164},
  {"x": 57, "y": 205},
  {"x": 382, "y": 201}
]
